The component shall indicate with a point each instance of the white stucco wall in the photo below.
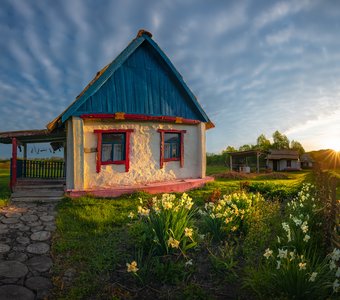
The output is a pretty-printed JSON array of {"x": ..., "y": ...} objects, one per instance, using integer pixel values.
[
  {"x": 144, "y": 155},
  {"x": 282, "y": 165}
]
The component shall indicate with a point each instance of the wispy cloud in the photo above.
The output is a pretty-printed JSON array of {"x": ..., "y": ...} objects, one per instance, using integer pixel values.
[
  {"x": 280, "y": 37},
  {"x": 281, "y": 10}
]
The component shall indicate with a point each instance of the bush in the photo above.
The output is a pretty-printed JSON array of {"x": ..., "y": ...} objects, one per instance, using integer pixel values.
[{"x": 232, "y": 175}]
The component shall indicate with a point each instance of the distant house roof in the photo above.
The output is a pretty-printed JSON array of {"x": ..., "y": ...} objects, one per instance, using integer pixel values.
[
  {"x": 283, "y": 154},
  {"x": 141, "y": 80}
]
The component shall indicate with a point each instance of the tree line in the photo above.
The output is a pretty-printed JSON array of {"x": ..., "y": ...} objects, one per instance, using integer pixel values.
[{"x": 280, "y": 141}]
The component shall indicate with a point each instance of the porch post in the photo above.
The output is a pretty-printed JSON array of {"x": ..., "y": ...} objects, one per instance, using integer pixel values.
[
  {"x": 257, "y": 162},
  {"x": 25, "y": 151},
  {"x": 231, "y": 162},
  {"x": 14, "y": 163}
]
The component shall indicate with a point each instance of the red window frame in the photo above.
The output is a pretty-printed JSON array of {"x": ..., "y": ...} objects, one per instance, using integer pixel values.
[
  {"x": 125, "y": 162},
  {"x": 181, "y": 158}
]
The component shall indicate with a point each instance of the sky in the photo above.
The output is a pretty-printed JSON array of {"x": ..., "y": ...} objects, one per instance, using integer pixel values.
[{"x": 255, "y": 66}]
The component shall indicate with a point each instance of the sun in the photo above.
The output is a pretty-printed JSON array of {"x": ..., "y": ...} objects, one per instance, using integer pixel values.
[{"x": 332, "y": 142}]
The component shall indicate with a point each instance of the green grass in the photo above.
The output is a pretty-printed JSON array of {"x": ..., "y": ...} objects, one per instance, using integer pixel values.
[
  {"x": 91, "y": 238},
  {"x": 4, "y": 183},
  {"x": 215, "y": 169}
]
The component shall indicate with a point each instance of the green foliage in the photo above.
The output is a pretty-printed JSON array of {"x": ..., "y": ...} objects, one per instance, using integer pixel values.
[
  {"x": 225, "y": 259},
  {"x": 262, "y": 143},
  {"x": 295, "y": 145},
  {"x": 246, "y": 147},
  {"x": 4, "y": 183},
  {"x": 272, "y": 191},
  {"x": 263, "y": 224},
  {"x": 280, "y": 141}
]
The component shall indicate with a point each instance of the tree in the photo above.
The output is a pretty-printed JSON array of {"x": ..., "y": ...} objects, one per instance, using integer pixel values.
[
  {"x": 230, "y": 149},
  {"x": 245, "y": 147},
  {"x": 295, "y": 145},
  {"x": 262, "y": 143},
  {"x": 280, "y": 141}
]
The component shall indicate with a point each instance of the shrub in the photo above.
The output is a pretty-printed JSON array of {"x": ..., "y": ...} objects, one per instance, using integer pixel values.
[{"x": 232, "y": 175}]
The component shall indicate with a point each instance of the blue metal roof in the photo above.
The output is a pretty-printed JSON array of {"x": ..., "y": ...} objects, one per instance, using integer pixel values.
[{"x": 141, "y": 80}]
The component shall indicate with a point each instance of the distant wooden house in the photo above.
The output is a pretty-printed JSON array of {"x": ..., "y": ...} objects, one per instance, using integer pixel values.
[
  {"x": 306, "y": 161},
  {"x": 283, "y": 160},
  {"x": 135, "y": 126}
]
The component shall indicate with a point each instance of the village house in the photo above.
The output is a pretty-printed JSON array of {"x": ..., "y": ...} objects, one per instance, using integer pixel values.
[
  {"x": 283, "y": 160},
  {"x": 135, "y": 126},
  {"x": 306, "y": 161}
]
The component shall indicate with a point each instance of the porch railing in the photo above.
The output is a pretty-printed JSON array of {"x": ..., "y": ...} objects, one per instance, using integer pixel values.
[{"x": 48, "y": 169}]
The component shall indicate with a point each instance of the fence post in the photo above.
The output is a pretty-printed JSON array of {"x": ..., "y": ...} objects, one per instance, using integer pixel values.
[{"x": 14, "y": 163}]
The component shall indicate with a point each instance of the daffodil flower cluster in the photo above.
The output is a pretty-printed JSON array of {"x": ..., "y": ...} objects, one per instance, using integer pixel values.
[
  {"x": 166, "y": 202},
  {"x": 292, "y": 256},
  {"x": 290, "y": 261},
  {"x": 302, "y": 212},
  {"x": 168, "y": 222},
  {"x": 227, "y": 214}
]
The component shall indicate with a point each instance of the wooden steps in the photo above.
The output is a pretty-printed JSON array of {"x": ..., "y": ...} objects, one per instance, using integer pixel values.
[{"x": 39, "y": 190}]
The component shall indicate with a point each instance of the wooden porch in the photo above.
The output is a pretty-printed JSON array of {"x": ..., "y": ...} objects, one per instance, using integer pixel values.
[{"x": 34, "y": 171}]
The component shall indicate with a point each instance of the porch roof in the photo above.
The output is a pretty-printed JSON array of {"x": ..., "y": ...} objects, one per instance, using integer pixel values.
[{"x": 32, "y": 136}]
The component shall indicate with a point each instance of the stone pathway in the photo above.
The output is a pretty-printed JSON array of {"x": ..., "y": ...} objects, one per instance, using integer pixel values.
[{"x": 25, "y": 260}]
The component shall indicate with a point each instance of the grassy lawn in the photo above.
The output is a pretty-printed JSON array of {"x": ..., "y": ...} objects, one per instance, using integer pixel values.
[
  {"x": 4, "y": 183},
  {"x": 216, "y": 169},
  {"x": 95, "y": 239}
]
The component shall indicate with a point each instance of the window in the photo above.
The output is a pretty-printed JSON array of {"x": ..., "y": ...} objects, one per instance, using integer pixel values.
[
  {"x": 289, "y": 163},
  {"x": 113, "y": 147},
  {"x": 171, "y": 146}
]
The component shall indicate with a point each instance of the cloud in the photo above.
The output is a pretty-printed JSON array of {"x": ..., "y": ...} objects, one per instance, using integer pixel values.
[
  {"x": 281, "y": 10},
  {"x": 280, "y": 37}
]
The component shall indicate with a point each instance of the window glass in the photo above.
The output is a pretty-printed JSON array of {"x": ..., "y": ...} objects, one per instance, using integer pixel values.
[
  {"x": 171, "y": 145},
  {"x": 113, "y": 147},
  {"x": 117, "y": 152},
  {"x": 106, "y": 152}
]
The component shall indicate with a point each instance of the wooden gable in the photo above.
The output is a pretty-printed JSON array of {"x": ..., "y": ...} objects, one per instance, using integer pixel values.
[{"x": 141, "y": 80}]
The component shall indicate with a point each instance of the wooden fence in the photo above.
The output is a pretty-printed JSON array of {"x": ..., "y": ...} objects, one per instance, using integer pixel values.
[
  {"x": 326, "y": 184},
  {"x": 48, "y": 169}
]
